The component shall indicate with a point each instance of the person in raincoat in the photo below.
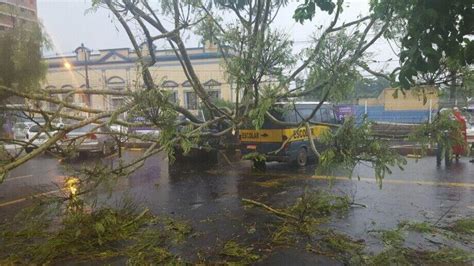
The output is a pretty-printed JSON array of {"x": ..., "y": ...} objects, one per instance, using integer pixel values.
[{"x": 460, "y": 149}]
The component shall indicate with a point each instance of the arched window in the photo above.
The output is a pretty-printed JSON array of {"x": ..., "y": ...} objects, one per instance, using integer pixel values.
[
  {"x": 50, "y": 87},
  {"x": 52, "y": 106},
  {"x": 191, "y": 100},
  {"x": 212, "y": 83},
  {"x": 116, "y": 83},
  {"x": 171, "y": 86},
  {"x": 186, "y": 84},
  {"x": 190, "y": 97},
  {"x": 83, "y": 98},
  {"x": 65, "y": 97},
  {"x": 213, "y": 89}
]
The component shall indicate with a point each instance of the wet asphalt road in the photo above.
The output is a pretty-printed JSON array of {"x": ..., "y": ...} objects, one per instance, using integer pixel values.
[{"x": 210, "y": 197}]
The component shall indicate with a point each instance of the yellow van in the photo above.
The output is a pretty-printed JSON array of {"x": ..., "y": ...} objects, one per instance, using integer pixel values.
[{"x": 288, "y": 144}]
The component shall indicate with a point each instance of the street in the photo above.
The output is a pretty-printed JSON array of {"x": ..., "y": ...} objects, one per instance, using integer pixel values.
[
  {"x": 236, "y": 132},
  {"x": 210, "y": 197}
]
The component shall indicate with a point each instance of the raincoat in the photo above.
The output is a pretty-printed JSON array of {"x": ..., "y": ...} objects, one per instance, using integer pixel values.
[{"x": 459, "y": 149}]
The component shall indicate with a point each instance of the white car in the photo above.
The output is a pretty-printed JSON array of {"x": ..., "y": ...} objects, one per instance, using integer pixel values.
[
  {"x": 19, "y": 130},
  {"x": 90, "y": 138},
  {"x": 37, "y": 136}
]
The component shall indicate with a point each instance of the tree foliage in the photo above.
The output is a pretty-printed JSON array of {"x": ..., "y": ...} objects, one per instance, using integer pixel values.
[
  {"x": 308, "y": 10},
  {"x": 332, "y": 64},
  {"x": 433, "y": 31},
  {"x": 370, "y": 88},
  {"x": 258, "y": 59},
  {"x": 352, "y": 144},
  {"x": 21, "y": 57}
]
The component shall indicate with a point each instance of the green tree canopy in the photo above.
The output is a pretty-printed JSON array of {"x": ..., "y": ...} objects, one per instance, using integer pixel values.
[
  {"x": 21, "y": 65},
  {"x": 370, "y": 88},
  {"x": 432, "y": 30}
]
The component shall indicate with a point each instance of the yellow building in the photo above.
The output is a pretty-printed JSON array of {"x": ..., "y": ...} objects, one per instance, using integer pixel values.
[
  {"x": 412, "y": 99},
  {"x": 117, "y": 69}
]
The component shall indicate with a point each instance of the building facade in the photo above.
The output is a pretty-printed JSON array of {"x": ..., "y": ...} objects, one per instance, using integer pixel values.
[
  {"x": 14, "y": 12},
  {"x": 412, "y": 99},
  {"x": 117, "y": 69}
]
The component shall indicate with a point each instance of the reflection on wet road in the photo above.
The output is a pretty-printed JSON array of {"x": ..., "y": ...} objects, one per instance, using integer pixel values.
[{"x": 210, "y": 197}]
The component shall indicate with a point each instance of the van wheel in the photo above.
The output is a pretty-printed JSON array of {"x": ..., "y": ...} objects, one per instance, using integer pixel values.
[
  {"x": 259, "y": 165},
  {"x": 302, "y": 157}
]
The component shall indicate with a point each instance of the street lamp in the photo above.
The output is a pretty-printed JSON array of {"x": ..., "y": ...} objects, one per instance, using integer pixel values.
[{"x": 69, "y": 67}]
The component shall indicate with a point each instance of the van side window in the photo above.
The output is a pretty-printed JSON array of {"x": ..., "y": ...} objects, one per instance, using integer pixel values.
[
  {"x": 326, "y": 115},
  {"x": 290, "y": 116},
  {"x": 306, "y": 112},
  {"x": 278, "y": 114},
  {"x": 329, "y": 115}
]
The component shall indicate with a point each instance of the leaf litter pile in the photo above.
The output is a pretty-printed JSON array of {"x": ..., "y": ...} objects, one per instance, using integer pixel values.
[{"x": 36, "y": 236}]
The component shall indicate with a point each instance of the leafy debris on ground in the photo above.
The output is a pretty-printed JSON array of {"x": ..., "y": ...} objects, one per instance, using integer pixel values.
[
  {"x": 237, "y": 253},
  {"x": 464, "y": 226},
  {"x": 91, "y": 235}
]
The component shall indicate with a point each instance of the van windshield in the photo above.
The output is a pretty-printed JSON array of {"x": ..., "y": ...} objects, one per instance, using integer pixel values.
[{"x": 288, "y": 114}]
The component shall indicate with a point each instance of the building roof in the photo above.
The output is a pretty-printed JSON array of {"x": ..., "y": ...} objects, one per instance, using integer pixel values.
[{"x": 125, "y": 56}]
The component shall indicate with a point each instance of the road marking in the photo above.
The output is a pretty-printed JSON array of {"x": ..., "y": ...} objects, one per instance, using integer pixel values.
[
  {"x": 17, "y": 177},
  {"x": 136, "y": 149},
  {"x": 399, "y": 181},
  {"x": 27, "y": 198}
]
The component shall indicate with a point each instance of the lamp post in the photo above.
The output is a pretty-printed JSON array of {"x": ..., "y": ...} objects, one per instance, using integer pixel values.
[
  {"x": 86, "y": 68},
  {"x": 68, "y": 66},
  {"x": 86, "y": 65}
]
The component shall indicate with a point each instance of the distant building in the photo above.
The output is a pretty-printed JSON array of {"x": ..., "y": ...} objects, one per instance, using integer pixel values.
[
  {"x": 412, "y": 99},
  {"x": 116, "y": 69},
  {"x": 417, "y": 105},
  {"x": 14, "y": 12}
]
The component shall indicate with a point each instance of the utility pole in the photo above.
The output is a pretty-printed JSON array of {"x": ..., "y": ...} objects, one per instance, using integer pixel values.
[{"x": 86, "y": 67}]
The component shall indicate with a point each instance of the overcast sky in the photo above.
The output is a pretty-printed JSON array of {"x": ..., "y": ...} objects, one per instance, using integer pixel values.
[{"x": 69, "y": 24}]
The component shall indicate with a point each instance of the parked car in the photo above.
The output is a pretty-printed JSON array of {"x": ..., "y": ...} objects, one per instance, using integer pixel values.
[
  {"x": 90, "y": 138},
  {"x": 19, "y": 130},
  {"x": 142, "y": 130},
  {"x": 204, "y": 151},
  {"x": 470, "y": 135},
  {"x": 38, "y": 135}
]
